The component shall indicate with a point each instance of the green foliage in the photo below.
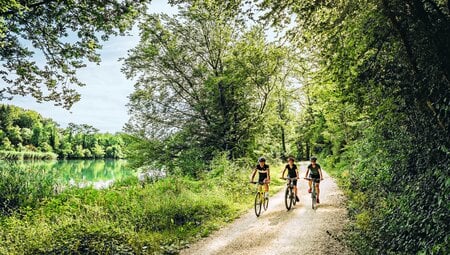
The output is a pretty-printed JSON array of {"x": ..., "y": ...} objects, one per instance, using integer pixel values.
[
  {"x": 27, "y": 135},
  {"x": 65, "y": 34},
  {"x": 24, "y": 155},
  {"x": 206, "y": 84},
  {"x": 129, "y": 218},
  {"x": 23, "y": 187},
  {"x": 376, "y": 107}
]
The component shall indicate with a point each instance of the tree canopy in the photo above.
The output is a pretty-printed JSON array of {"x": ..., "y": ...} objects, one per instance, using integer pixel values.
[
  {"x": 25, "y": 133},
  {"x": 204, "y": 81},
  {"x": 43, "y": 43},
  {"x": 377, "y": 85}
]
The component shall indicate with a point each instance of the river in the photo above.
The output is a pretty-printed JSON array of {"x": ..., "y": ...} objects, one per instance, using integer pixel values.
[{"x": 99, "y": 173}]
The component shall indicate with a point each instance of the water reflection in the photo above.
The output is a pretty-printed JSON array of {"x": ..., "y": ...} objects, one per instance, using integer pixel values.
[{"x": 85, "y": 171}]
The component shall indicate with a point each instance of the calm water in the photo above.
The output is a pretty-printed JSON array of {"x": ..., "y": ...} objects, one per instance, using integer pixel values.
[{"x": 86, "y": 171}]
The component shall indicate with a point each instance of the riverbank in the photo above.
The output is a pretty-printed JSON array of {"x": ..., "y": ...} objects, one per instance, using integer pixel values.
[
  {"x": 154, "y": 217},
  {"x": 27, "y": 155}
]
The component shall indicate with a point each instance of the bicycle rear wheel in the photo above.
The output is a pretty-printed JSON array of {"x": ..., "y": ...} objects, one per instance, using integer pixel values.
[
  {"x": 288, "y": 199},
  {"x": 266, "y": 203},
  {"x": 258, "y": 204}
]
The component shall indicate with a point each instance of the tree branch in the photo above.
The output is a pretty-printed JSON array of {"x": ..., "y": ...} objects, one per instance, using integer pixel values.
[{"x": 31, "y": 6}]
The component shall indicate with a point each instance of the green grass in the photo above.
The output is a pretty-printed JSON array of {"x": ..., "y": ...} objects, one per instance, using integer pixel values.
[
  {"x": 130, "y": 218},
  {"x": 23, "y": 187}
]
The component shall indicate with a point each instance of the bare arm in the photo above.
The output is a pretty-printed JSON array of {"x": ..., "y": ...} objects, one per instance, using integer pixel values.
[
  {"x": 253, "y": 175},
  {"x": 284, "y": 171},
  {"x": 268, "y": 174},
  {"x": 320, "y": 172},
  {"x": 307, "y": 172}
]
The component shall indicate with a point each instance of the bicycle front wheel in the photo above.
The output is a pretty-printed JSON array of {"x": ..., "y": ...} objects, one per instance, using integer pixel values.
[
  {"x": 258, "y": 204},
  {"x": 287, "y": 199},
  {"x": 313, "y": 199}
]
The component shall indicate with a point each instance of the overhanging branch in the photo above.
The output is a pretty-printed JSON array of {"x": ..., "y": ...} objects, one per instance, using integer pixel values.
[{"x": 31, "y": 6}]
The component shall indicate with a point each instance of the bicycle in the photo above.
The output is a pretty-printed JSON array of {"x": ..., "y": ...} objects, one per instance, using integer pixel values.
[
  {"x": 261, "y": 201},
  {"x": 313, "y": 192},
  {"x": 289, "y": 195}
]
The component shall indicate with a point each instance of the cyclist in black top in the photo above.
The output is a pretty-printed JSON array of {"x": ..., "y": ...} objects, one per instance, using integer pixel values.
[
  {"x": 264, "y": 174},
  {"x": 292, "y": 173},
  {"x": 315, "y": 172}
]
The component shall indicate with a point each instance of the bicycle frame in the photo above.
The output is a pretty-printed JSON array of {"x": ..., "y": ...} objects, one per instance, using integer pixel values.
[
  {"x": 313, "y": 192},
  {"x": 260, "y": 199},
  {"x": 289, "y": 197}
]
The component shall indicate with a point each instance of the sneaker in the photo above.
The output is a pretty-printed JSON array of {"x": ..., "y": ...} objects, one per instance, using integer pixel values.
[
  {"x": 317, "y": 200},
  {"x": 309, "y": 190},
  {"x": 266, "y": 195},
  {"x": 297, "y": 199}
]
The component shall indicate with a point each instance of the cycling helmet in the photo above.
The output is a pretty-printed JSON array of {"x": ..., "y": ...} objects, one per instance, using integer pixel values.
[
  {"x": 291, "y": 158},
  {"x": 313, "y": 158},
  {"x": 261, "y": 159}
]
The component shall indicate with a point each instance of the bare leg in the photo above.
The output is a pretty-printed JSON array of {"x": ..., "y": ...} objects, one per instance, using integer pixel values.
[{"x": 317, "y": 190}]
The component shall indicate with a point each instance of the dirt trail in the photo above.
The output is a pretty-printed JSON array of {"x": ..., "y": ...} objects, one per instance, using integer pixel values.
[{"x": 277, "y": 231}]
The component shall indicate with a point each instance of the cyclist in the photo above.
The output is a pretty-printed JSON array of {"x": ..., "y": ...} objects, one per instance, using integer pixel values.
[
  {"x": 264, "y": 175},
  {"x": 314, "y": 172},
  {"x": 292, "y": 173}
]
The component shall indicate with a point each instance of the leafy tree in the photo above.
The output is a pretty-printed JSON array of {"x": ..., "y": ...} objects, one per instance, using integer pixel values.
[
  {"x": 65, "y": 34},
  {"x": 14, "y": 135},
  {"x": 36, "y": 138},
  {"x": 203, "y": 82},
  {"x": 78, "y": 152},
  {"x": 377, "y": 104},
  {"x": 6, "y": 144},
  {"x": 45, "y": 147},
  {"x": 28, "y": 131},
  {"x": 26, "y": 135},
  {"x": 97, "y": 151}
]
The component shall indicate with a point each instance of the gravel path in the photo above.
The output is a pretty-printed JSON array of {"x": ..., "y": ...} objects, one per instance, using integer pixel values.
[{"x": 278, "y": 231}]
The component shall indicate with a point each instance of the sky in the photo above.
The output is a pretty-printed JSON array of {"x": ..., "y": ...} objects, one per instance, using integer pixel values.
[{"x": 104, "y": 98}]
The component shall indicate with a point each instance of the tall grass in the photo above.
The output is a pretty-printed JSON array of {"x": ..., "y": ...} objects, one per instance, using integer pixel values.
[
  {"x": 27, "y": 155},
  {"x": 23, "y": 186},
  {"x": 128, "y": 218}
]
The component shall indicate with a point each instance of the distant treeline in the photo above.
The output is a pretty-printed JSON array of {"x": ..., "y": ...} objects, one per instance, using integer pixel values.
[{"x": 25, "y": 134}]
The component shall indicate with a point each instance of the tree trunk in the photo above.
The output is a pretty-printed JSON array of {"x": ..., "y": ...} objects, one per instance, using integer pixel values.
[
  {"x": 283, "y": 143},
  {"x": 308, "y": 151}
]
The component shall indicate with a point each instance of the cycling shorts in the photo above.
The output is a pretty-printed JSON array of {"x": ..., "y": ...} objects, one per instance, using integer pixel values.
[
  {"x": 294, "y": 182},
  {"x": 317, "y": 177}
]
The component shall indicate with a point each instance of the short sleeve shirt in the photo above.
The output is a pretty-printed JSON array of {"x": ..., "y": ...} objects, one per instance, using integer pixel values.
[
  {"x": 291, "y": 171},
  {"x": 314, "y": 170},
  {"x": 262, "y": 171}
]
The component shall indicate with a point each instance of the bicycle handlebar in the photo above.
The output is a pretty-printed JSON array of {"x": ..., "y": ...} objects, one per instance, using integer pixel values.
[
  {"x": 310, "y": 179},
  {"x": 289, "y": 178}
]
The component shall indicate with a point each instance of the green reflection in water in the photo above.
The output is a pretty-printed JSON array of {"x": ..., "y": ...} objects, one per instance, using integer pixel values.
[{"x": 84, "y": 170}]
